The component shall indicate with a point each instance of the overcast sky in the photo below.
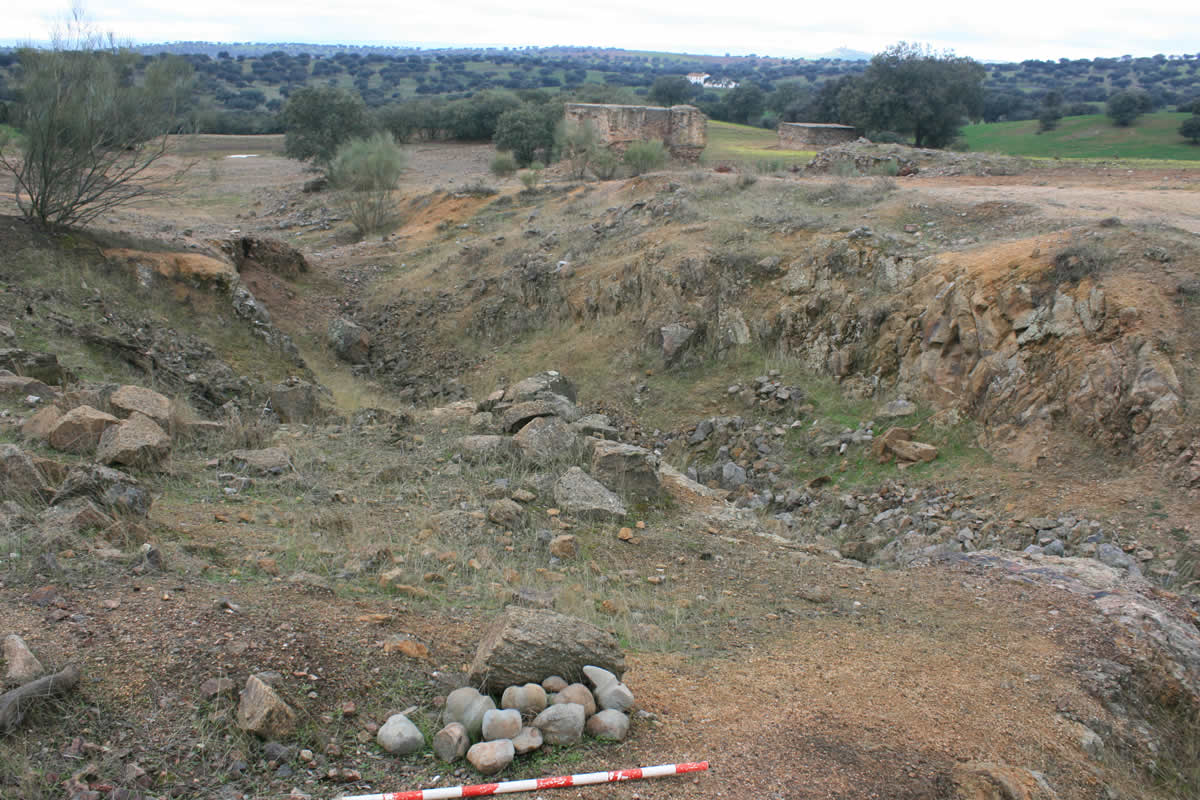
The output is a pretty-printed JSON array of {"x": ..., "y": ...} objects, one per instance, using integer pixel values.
[{"x": 988, "y": 31}]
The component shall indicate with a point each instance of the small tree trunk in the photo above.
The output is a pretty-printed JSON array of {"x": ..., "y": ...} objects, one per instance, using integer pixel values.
[{"x": 15, "y": 703}]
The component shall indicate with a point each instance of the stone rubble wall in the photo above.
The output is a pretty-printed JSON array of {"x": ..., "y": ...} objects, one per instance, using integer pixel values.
[
  {"x": 683, "y": 129},
  {"x": 803, "y": 136}
]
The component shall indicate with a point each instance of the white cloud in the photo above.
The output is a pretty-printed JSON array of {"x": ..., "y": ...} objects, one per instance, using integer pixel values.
[{"x": 997, "y": 31}]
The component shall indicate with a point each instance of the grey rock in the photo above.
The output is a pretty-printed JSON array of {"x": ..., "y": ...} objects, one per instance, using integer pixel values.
[
  {"x": 561, "y": 724},
  {"x": 1113, "y": 556},
  {"x": 349, "y": 340},
  {"x": 732, "y": 475},
  {"x": 676, "y": 338},
  {"x": 1055, "y": 548},
  {"x": 609, "y": 692},
  {"x": 296, "y": 401},
  {"x": 501, "y": 724},
  {"x": 540, "y": 385},
  {"x": 529, "y": 699},
  {"x": 400, "y": 736},
  {"x": 626, "y": 469},
  {"x": 467, "y": 706},
  {"x": 598, "y": 425},
  {"x": 519, "y": 415},
  {"x": 899, "y": 408},
  {"x": 545, "y": 440},
  {"x": 451, "y": 742},
  {"x": 491, "y": 757},
  {"x": 528, "y": 740},
  {"x": 580, "y": 495},
  {"x": 609, "y": 724},
  {"x": 524, "y": 644},
  {"x": 21, "y": 664}
]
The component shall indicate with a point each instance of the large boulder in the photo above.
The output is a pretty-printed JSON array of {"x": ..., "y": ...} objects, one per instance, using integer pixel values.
[
  {"x": 524, "y": 645},
  {"x": 581, "y": 495},
  {"x": 136, "y": 442},
  {"x": 349, "y": 340},
  {"x": 110, "y": 488},
  {"x": 297, "y": 401},
  {"x": 20, "y": 476},
  {"x": 80, "y": 429},
  {"x": 545, "y": 439},
  {"x": 130, "y": 399},
  {"x": 626, "y": 469},
  {"x": 262, "y": 712}
]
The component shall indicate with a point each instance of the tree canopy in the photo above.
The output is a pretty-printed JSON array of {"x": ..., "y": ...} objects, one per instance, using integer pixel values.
[
  {"x": 910, "y": 89},
  {"x": 318, "y": 120},
  {"x": 89, "y": 133}
]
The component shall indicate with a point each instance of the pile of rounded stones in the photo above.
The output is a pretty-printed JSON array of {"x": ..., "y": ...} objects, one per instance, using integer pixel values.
[{"x": 530, "y": 716}]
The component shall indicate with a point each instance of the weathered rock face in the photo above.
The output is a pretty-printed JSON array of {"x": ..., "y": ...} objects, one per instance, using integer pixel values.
[
  {"x": 110, "y": 488},
  {"x": 299, "y": 401},
  {"x": 626, "y": 469},
  {"x": 269, "y": 254},
  {"x": 20, "y": 477},
  {"x": 525, "y": 645},
  {"x": 683, "y": 129},
  {"x": 349, "y": 340},
  {"x": 42, "y": 366}
]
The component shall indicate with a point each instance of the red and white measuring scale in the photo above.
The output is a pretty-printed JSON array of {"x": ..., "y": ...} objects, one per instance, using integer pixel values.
[{"x": 507, "y": 787}]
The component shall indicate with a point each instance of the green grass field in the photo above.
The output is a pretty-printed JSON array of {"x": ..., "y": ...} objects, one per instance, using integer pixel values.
[
  {"x": 1154, "y": 136},
  {"x": 744, "y": 144}
]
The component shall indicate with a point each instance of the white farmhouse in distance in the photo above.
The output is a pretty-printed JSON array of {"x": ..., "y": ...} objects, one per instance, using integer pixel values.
[{"x": 705, "y": 80}]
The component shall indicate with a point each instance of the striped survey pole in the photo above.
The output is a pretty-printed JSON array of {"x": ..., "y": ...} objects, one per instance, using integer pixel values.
[{"x": 507, "y": 787}]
